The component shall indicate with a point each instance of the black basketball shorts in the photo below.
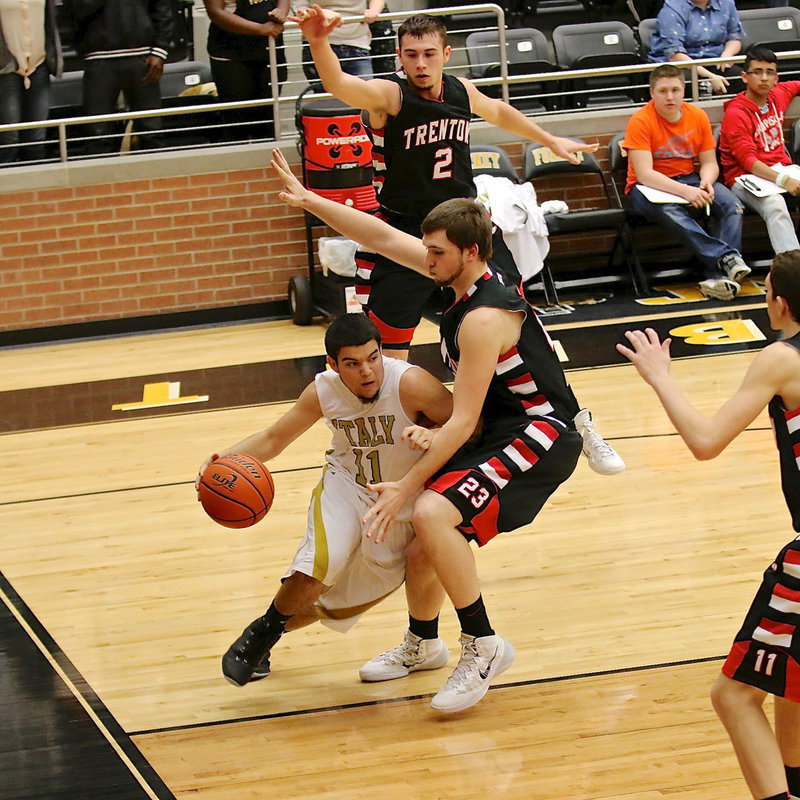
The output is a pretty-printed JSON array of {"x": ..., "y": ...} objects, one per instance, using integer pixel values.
[
  {"x": 766, "y": 651},
  {"x": 501, "y": 483}
]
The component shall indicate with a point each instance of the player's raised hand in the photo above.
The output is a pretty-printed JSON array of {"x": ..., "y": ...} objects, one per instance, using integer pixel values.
[
  {"x": 566, "y": 148},
  {"x": 647, "y": 353},
  {"x": 316, "y": 22},
  {"x": 293, "y": 192},
  {"x": 380, "y": 517}
]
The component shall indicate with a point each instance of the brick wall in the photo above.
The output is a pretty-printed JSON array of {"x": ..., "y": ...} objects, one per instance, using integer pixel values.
[
  {"x": 142, "y": 247},
  {"x": 177, "y": 233}
]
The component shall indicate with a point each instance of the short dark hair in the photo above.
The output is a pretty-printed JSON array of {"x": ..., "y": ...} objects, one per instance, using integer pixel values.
[
  {"x": 350, "y": 330},
  {"x": 785, "y": 277},
  {"x": 666, "y": 71},
  {"x": 421, "y": 25},
  {"x": 465, "y": 222},
  {"x": 758, "y": 53}
]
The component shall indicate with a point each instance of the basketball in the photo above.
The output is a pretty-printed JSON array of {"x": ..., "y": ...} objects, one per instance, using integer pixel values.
[{"x": 236, "y": 490}]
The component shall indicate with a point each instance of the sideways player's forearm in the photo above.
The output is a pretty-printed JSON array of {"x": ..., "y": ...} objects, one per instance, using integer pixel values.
[
  {"x": 333, "y": 78},
  {"x": 260, "y": 445},
  {"x": 371, "y": 233},
  {"x": 695, "y": 430}
]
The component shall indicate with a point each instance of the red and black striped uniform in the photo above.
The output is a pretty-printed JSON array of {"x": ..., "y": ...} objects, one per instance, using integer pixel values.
[
  {"x": 421, "y": 158},
  {"x": 766, "y": 651},
  {"x": 528, "y": 444}
]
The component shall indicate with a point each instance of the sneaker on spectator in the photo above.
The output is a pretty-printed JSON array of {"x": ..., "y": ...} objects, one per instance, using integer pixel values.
[
  {"x": 602, "y": 457},
  {"x": 719, "y": 288},
  {"x": 482, "y": 660},
  {"x": 412, "y": 655},
  {"x": 732, "y": 264}
]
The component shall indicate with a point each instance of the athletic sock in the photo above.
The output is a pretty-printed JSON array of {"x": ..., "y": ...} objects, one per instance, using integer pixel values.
[
  {"x": 424, "y": 628},
  {"x": 474, "y": 619},
  {"x": 275, "y": 620},
  {"x": 793, "y": 780}
]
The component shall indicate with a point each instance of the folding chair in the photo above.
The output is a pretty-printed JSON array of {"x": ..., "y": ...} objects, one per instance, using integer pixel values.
[
  {"x": 528, "y": 52},
  {"x": 600, "y": 44},
  {"x": 540, "y": 162}
]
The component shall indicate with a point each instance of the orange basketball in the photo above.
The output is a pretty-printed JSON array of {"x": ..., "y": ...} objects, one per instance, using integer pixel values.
[{"x": 236, "y": 490}]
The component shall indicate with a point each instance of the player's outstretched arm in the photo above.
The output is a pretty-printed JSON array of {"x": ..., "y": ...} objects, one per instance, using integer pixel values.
[
  {"x": 481, "y": 338},
  {"x": 370, "y": 232},
  {"x": 514, "y": 121},
  {"x": 373, "y": 95},
  {"x": 267, "y": 444},
  {"x": 706, "y": 438}
]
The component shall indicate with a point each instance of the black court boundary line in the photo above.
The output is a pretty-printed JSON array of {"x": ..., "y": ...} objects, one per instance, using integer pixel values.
[
  {"x": 407, "y": 698},
  {"x": 100, "y": 492},
  {"x": 121, "y": 738}
]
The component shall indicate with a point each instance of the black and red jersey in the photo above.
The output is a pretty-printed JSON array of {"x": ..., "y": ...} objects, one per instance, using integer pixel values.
[
  {"x": 528, "y": 380},
  {"x": 787, "y": 436},
  {"x": 421, "y": 157}
]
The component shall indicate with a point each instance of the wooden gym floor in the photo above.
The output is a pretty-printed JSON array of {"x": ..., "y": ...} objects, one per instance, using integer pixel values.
[{"x": 120, "y": 595}]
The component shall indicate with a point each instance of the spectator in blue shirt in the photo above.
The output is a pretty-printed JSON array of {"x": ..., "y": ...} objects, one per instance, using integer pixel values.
[{"x": 690, "y": 29}]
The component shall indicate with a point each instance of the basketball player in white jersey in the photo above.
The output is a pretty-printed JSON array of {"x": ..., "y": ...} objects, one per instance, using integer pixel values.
[{"x": 380, "y": 412}]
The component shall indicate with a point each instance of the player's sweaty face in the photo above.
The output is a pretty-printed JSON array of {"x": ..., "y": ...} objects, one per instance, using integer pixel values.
[
  {"x": 423, "y": 60},
  {"x": 361, "y": 369},
  {"x": 445, "y": 261}
]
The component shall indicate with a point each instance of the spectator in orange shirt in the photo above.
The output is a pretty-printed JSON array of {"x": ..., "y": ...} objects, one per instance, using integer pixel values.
[{"x": 663, "y": 139}]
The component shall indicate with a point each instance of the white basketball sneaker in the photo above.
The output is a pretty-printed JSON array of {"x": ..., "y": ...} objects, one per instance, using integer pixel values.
[
  {"x": 602, "y": 457},
  {"x": 482, "y": 660},
  {"x": 412, "y": 655}
]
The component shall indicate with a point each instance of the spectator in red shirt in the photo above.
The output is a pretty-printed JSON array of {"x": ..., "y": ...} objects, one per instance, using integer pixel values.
[{"x": 751, "y": 142}]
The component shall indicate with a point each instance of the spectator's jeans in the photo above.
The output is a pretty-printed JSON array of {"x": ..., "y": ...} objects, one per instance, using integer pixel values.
[
  {"x": 773, "y": 211},
  {"x": 103, "y": 80},
  {"x": 18, "y": 104},
  {"x": 676, "y": 218},
  {"x": 354, "y": 60}
]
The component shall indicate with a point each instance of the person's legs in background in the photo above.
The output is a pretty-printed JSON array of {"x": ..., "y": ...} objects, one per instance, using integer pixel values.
[
  {"x": 101, "y": 88},
  {"x": 244, "y": 80},
  {"x": 20, "y": 104},
  {"x": 711, "y": 250},
  {"x": 140, "y": 96},
  {"x": 773, "y": 210},
  {"x": 11, "y": 89}
]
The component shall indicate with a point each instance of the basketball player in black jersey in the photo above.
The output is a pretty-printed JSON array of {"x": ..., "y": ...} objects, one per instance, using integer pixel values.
[
  {"x": 419, "y": 120},
  {"x": 507, "y": 377},
  {"x": 765, "y": 656}
]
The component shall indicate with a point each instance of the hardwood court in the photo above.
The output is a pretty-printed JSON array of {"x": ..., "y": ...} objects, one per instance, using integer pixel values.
[{"x": 620, "y": 599}]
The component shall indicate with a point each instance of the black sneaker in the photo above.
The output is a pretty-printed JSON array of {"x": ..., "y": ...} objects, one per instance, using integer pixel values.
[
  {"x": 262, "y": 670},
  {"x": 248, "y": 657}
]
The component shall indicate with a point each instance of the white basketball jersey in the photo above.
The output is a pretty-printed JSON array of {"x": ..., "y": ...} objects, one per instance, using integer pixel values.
[{"x": 366, "y": 436}]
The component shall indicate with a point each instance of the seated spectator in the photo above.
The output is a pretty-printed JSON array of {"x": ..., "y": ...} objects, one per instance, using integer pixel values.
[
  {"x": 238, "y": 50},
  {"x": 30, "y": 52},
  {"x": 692, "y": 29},
  {"x": 351, "y": 40},
  {"x": 751, "y": 141},
  {"x": 663, "y": 139},
  {"x": 124, "y": 44}
]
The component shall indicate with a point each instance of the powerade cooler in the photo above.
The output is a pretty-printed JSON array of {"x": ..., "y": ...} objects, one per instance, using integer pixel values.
[
  {"x": 337, "y": 165},
  {"x": 337, "y": 153}
]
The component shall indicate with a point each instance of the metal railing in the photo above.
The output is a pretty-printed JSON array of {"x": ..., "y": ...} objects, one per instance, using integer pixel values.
[{"x": 280, "y": 102}]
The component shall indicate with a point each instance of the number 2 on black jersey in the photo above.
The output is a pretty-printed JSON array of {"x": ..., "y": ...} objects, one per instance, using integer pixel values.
[{"x": 443, "y": 163}]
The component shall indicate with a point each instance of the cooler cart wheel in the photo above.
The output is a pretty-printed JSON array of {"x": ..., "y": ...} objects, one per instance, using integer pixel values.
[{"x": 300, "y": 301}]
